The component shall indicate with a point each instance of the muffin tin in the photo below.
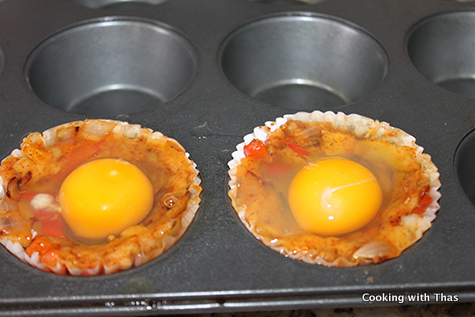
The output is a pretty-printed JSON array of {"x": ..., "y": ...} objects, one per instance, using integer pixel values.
[{"x": 206, "y": 72}]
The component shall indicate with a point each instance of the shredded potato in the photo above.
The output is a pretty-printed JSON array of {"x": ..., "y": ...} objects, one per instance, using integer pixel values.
[
  {"x": 45, "y": 160},
  {"x": 259, "y": 186}
]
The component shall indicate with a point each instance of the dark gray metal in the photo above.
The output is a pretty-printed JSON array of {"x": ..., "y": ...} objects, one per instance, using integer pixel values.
[
  {"x": 465, "y": 165},
  {"x": 2, "y": 58},
  {"x": 96, "y": 4},
  {"x": 185, "y": 51}
]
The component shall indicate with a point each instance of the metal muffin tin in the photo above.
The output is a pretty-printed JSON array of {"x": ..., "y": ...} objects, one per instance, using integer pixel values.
[{"x": 206, "y": 72}]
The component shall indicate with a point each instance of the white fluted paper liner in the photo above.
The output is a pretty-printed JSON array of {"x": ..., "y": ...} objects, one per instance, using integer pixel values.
[
  {"x": 95, "y": 130},
  {"x": 362, "y": 127}
]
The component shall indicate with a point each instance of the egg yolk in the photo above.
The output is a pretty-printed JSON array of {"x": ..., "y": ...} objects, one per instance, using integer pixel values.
[
  {"x": 104, "y": 197},
  {"x": 334, "y": 196}
]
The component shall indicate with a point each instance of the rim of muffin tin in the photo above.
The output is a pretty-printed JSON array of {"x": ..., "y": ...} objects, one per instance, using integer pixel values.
[
  {"x": 2, "y": 58},
  {"x": 101, "y": 4},
  {"x": 272, "y": 117}
]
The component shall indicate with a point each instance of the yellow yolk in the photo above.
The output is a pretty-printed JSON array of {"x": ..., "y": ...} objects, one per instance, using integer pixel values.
[
  {"x": 104, "y": 197},
  {"x": 334, "y": 196}
]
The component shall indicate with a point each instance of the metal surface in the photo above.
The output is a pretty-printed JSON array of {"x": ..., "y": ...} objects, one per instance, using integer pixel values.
[
  {"x": 218, "y": 265},
  {"x": 95, "y": 4}
]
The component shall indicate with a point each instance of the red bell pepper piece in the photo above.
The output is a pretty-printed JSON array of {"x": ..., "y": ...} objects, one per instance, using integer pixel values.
[
  {"x": 256, "y": 148},
  {"x": 53, "y": 223},
  {"x": 300, "y": 152},
  {"x": 424, "y": 201},
  {"x": 47, "y": 254},
  {"x": 79, "y": 155}
]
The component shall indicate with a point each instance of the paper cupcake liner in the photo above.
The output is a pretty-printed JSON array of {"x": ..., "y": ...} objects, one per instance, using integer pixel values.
[
  {"x": 95, "y": 130},
  {"x": 362, "y": 127}
]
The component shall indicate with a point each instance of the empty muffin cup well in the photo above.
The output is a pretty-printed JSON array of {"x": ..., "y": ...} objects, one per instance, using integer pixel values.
[
  {"x": 442, "y": 48},
  {"x": 303, "y": 61},
  {"x": 112, "y": 67}
]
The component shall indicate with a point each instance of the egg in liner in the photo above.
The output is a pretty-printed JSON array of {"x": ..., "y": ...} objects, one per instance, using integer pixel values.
[
  {"x": 333, "y": 189},
  {"x": 95, "y": 197}
]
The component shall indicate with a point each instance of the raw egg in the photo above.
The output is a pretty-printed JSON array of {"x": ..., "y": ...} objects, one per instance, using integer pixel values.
[
  {"x": 334, "y": 196},
  {"x": 105, "y": 196}
]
